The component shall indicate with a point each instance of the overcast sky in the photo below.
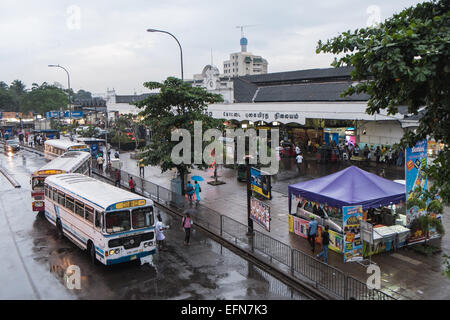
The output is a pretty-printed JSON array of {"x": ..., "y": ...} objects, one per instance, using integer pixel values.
[{"x": 104, "y": 43}]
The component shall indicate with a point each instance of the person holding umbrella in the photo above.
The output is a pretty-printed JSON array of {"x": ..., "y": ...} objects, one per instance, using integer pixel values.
[{"x": 196, "y": 187}]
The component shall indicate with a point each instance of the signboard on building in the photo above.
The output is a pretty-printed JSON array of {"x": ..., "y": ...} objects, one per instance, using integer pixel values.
[
  {"x": 63, "y": 114},
  {"x": 415, "y": 163},
  {"x": 267, "y": 116},
  {"x": 260, "y": 213},
  {"x": 260, "y": 183},
  {"x": 352, "y": 216}
]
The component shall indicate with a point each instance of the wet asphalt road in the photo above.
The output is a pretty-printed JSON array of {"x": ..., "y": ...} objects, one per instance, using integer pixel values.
[{"x": 34, "y": 260}]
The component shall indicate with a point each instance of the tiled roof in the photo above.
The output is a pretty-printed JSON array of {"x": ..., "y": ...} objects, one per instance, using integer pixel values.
[
  {"x": 327, "y": 91},
  {"x": 243, "y": 90},
  {"x": 301, "y": 75}
]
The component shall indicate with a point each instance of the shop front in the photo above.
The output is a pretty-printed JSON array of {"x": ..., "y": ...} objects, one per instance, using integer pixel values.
[{"x": 351, "y": 202}]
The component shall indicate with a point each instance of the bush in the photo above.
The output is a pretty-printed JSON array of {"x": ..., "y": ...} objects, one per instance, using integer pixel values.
[{"x": 435, "y": 206}]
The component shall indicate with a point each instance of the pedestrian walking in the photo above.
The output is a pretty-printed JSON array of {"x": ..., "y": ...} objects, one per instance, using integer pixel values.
[
  {"x": 312, "y": 232},
  {"x": 299, "y": 159},
  {"x": 141, "y": 168},
  {"x": 190, "y": 190},
  {"x": 160, "y": 227},
  {"x": 100, "y": 161},
  {"x": 117, "y": 182},
  {"x": 186, "y": 223},
  {"x": 378, "y": 154},
  {"x": 131, "y": 184},
  {"x": 197, "y": 190},
  {"x": 297, "y": 150},
  {"x": 325, "y": 242}
]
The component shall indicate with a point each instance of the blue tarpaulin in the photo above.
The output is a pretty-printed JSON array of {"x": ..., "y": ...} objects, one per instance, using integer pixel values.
[{"x": 349, "y": 187}]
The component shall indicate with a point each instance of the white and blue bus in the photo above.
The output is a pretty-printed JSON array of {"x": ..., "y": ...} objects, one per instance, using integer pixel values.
[
  {"x": 74, "y": 161},
  {"x": 55, "y": 148},
  {"x": 112, "y": 224}
]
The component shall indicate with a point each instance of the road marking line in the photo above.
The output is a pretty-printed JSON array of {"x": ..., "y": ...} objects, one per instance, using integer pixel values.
[{"x": 406, "y": 259}]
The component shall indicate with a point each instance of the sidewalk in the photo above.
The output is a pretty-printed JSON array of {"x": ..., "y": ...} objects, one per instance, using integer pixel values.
[{"x": 405, "y": 274}]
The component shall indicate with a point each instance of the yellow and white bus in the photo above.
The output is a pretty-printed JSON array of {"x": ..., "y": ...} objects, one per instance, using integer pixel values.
[
  {"x": 69, "y": 162},
  {"x": 55, "y": 147},
  {"x": 112, "y": 224}
]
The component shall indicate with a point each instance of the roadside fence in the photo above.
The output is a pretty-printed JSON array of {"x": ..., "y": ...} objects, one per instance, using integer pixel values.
[{"x": 279, "y": 255}]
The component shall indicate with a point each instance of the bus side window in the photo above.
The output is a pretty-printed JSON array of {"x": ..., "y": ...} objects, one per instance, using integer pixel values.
[
  {"x": 55, "y": 195},
  {"x": 61, "y": 198},
  {"x": 46, "y": 190},
  {"x": 89, "y": 214},
  {"x": 69, "y": 203},
  {"x": 98, "y": 220},
  {"x": 79, "y": 208}
]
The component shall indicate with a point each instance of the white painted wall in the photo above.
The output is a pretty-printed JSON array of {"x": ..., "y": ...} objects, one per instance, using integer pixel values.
[{"x": 380, "y": 132}]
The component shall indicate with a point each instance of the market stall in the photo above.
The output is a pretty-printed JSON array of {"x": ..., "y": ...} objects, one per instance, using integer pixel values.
[{"x": 370, "y": 198}]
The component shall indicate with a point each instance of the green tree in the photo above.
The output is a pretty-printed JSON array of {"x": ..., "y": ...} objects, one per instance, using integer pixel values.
[
  {"x": 43, "y": 98},
  {"x": 405, "y": 61},
  {"x": 82, "y": 95},
  {"x": 6, "y": 100},
  {"x": 176, "y": 106},
  {"x": 17, "y": 91}
]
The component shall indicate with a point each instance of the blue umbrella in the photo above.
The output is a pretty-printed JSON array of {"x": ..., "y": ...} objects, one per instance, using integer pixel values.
[{"x": 197, "y": 178}]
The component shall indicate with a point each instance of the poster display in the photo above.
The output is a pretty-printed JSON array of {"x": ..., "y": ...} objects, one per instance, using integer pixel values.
[
  {"x": 352, "y": 216},
  {"x": 336, "y": 241},
  {"x": 301, "y": 227},
  {"x": 260, "y": 213},
  {"x": 260, "y": 183},
  {"x": 415, "y": 163}
]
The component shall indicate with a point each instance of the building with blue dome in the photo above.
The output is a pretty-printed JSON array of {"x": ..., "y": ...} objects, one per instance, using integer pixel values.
[{"x": 244, "y": 63}]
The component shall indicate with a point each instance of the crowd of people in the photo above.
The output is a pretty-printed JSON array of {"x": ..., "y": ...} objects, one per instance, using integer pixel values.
[{"x": 379, "y": 154}]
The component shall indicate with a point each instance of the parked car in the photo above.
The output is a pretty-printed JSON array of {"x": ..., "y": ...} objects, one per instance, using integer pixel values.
[
  {"x": 305, "y": 211},
  {"x": 11, "y": 146}
]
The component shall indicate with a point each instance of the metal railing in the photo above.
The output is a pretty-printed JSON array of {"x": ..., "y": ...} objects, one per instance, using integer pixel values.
[{"x": 281, "y": 256}]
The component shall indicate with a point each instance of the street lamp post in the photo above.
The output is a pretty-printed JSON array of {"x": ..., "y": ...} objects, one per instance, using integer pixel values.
[
  {"x": 68, "y": 85},
  {"x": 181, "y": 50}
]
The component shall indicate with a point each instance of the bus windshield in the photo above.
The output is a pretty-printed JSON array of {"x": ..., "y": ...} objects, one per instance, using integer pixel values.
[
  {"x": 38, "y": 183},
  {"x": 142, "y": 217},
  {"x": 118, "y": 221}
]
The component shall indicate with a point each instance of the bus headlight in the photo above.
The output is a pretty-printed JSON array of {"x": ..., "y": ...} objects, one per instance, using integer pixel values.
[
  {"x": 111, "y": 252},
  {"x": 148, "y": 244},
  {"x": 117, "y": 251}
]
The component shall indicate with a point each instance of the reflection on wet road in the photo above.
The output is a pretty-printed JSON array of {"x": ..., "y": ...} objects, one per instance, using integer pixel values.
[{"x": 34, "y": 260}]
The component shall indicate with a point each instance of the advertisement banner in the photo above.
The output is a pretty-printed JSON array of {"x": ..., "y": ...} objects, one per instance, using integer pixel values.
[
  {"x": 336, "y": 241},
  {"x": 415, "y": 163},
  {"x": 260, "y": 213},
  {"x": 353, "y": 247},
  {"x": 301, "y": 227},
  {"x": 260, "y": 183}
]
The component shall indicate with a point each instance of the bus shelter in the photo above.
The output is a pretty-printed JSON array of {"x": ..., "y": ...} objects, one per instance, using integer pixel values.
[{"x": 379, "y": 200}]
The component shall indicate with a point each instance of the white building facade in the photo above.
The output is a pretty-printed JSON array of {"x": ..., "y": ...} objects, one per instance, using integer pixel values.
[{"x": 244, "y": 63}]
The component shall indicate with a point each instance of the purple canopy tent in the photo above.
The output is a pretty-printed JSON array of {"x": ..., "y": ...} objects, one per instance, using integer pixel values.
[{"x": 348, "y": 187}]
